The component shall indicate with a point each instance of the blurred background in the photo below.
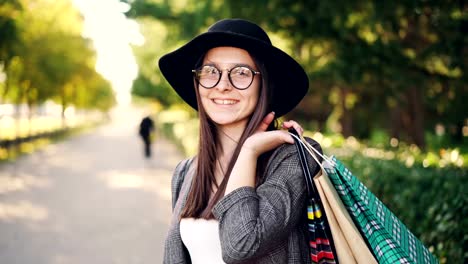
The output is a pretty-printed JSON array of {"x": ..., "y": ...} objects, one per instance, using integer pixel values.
[{"x": 388, "y": 86}]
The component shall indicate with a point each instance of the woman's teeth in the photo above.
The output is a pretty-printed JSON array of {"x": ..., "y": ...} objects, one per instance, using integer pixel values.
[{"x": 224, "y": 102}]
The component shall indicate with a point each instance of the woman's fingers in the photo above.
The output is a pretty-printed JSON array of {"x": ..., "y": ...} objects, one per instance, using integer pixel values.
[
  {"x": 295, "y": 125},
  {"x": 287, "y": 124},
  {"x": 261, "y": 142},
  {"x": 266, "y": 122}
]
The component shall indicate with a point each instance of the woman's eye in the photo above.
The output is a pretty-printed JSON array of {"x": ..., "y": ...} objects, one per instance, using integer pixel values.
[
  {"x": 242, "y": 72},
  {"x": 212, "y": 71},
  {"x": 209, "y": 71}
]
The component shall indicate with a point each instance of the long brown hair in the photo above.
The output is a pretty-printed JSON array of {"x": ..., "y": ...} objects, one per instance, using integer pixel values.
[{"x": 198, "y": 203}]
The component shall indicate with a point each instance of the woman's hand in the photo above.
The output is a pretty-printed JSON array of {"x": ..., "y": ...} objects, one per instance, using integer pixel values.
[
  {"x": 263, "y": 141},
  {"x": 243, "y": 172}
]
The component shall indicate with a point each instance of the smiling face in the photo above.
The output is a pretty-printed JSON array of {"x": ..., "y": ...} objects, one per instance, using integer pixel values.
[{"x": 224, "y": 104}]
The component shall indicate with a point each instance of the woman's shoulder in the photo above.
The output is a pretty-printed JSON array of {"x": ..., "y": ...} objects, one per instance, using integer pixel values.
[
  {"x": 178, "y": 177},
  {"x": 286, "y": 149},
  {"x": 183, "y": 165},
  {"x": 284, "y": 166},
  {"x": 286, "y": 157}
]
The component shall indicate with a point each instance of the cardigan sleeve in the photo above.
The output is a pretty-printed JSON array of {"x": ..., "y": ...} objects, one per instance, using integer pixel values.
[{"x": 254, "y": 221}]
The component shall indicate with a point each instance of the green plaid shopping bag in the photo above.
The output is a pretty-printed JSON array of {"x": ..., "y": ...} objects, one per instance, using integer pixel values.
[{"x": 388, "y": 238}]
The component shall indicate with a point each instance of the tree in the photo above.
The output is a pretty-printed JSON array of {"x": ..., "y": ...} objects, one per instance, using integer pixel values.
[
  {"x": 47, "y": 57},
  {"x": 165, "y": 25},
  {"x": 9, "y": 32}
]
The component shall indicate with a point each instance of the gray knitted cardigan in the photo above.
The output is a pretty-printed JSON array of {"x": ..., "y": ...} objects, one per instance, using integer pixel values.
[{"x": 266, "y": 224}]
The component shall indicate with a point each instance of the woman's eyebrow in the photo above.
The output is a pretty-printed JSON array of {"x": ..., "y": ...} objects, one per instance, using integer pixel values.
[
  {"x": 231, "y": 65},
  {"x": 210, "y": 64},
  {"x": 243, "y": 64}
]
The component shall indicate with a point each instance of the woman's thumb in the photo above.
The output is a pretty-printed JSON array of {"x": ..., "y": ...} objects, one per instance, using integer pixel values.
[{"x": 266, "y": 122}]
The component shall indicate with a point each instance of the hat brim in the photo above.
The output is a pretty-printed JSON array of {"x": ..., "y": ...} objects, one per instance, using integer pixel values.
[{"x": 290, "y": 81}]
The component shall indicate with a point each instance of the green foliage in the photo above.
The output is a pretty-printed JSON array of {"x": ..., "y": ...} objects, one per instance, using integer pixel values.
[
  {"x": 94, "y": 93},
  {"x": 143, "y": 87},
  {"x": 150, "y": 82},
  {"x": 8, "y": 28},
  {"x": 398, "y": 66},
  {"x": 44, "y": 56},
  {"x": 177, "y": 21},
  {"x": 378, "y": 51}
]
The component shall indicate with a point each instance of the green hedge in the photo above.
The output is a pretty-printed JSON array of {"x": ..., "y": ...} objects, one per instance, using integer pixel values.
[{"x": 432, "y": 202}]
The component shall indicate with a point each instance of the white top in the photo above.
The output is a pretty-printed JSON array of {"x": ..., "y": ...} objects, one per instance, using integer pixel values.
[{"x": 201, "y": 237}]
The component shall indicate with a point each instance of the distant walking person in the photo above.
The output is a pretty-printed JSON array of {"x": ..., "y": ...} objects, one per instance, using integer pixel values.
[{"x": 146, "y": 129}]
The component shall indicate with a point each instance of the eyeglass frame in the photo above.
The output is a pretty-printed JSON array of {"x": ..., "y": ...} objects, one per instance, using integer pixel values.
[{"x": 228, "y": 74}]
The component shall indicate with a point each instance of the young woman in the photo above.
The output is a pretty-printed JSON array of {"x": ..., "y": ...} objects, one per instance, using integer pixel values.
[{"x": 241, "y": 199}]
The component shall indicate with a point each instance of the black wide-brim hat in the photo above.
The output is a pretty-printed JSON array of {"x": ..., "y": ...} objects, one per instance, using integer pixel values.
[{"x": 290, "y": 82}]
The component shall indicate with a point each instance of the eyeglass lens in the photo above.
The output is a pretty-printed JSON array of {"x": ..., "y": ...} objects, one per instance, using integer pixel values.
[{"x": 241, "y": 77}]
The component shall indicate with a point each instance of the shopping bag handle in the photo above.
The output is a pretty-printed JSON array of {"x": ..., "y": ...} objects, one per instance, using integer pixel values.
[
  {"x": 303, "y": 146},
  {"x": 302, "y": 158},
  {"x": 309, "y": 148}
]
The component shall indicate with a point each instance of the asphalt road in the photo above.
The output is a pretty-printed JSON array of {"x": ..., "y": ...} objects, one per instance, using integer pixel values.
[{"x": 90, "y": 199}]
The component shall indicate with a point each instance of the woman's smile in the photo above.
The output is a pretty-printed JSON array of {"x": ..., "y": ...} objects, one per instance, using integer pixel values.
[
  {"x": 225, "y": 104},
  {"x": 225, "y": 101}
]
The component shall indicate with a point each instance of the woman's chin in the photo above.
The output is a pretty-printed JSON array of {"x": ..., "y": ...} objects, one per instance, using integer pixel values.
[{"x": 228, "y": 120}]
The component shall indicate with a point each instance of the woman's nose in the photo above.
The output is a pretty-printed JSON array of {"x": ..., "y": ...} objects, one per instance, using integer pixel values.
[{"x": 224, "y": 82}]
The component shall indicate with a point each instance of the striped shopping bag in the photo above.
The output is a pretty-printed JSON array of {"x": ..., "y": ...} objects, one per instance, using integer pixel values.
[
  {"x": 387, "y": 237},
  {"x": 322, "y": 250},
  {"x": 320, "y": 244}
]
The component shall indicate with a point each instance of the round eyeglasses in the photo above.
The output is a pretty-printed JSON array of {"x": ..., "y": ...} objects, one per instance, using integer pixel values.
[{"x": 241, "y": 77}]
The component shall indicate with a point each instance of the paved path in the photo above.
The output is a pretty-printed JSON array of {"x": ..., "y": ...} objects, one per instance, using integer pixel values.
[{"x": 91, "y": 199}]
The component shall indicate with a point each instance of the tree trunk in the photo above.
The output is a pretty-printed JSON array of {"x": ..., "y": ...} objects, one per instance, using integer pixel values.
[
  {"x": 321, "y": 123},
  {"x": 416, "y": 113},
  {"x": 19, "y": 100},
  {"x": 458, "y": 135},
  {"x": 64, "y": 106},
  {"x": 346, "y": 119},
  {"x": 31, "y": 131},
  {"x": 395, "y": 122},
  {"x": 7, "y": 83},
  {"x": 29, "y": 109}
]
